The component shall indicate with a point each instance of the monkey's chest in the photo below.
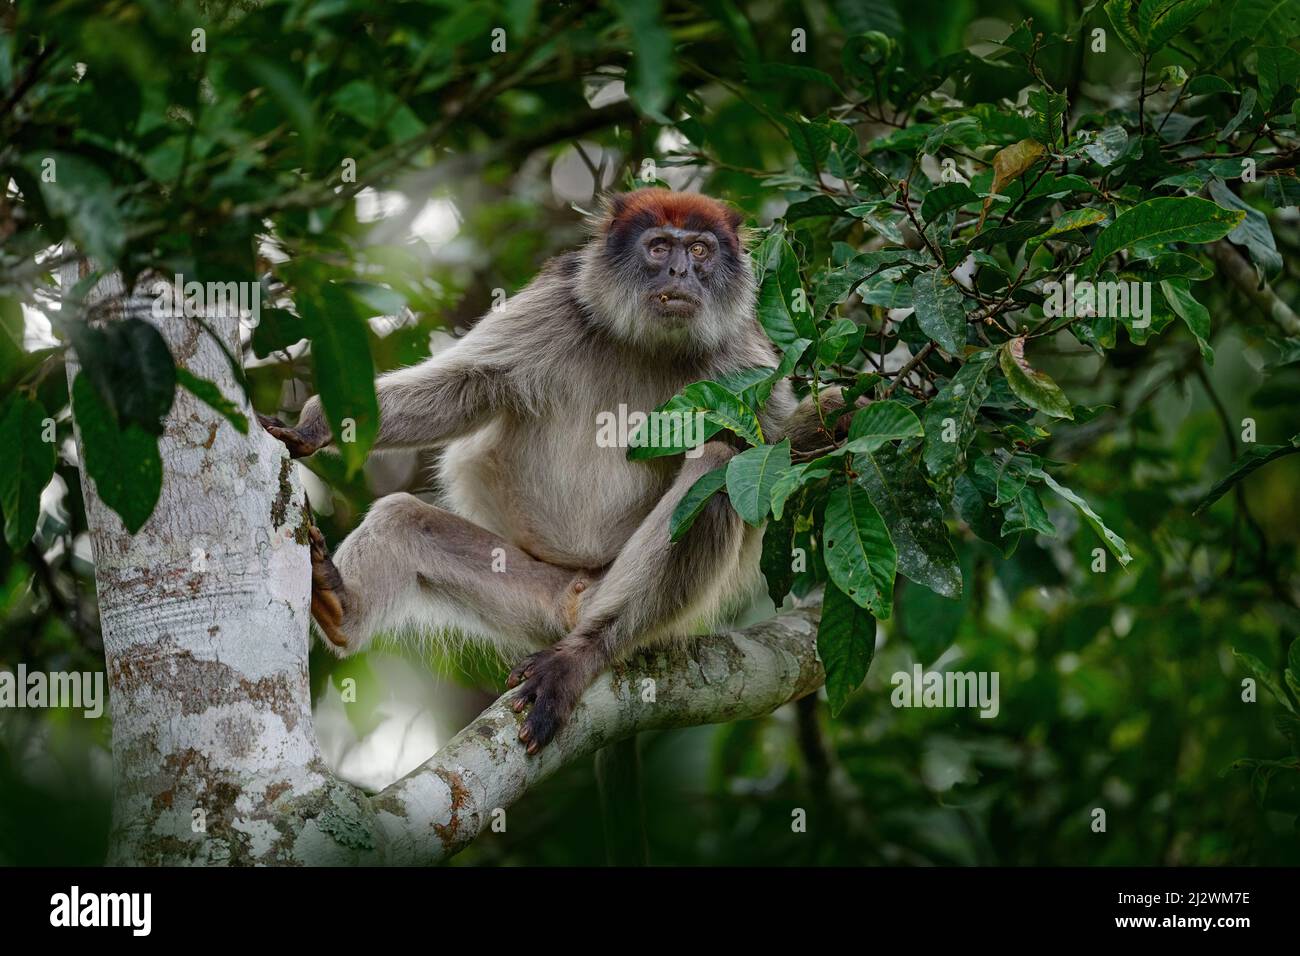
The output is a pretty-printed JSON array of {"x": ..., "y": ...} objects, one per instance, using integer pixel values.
[{"x": 560, "y": 487}]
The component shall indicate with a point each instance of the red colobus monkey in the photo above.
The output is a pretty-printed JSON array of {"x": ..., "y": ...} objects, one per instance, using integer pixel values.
[{"x": 546, "y": 543}]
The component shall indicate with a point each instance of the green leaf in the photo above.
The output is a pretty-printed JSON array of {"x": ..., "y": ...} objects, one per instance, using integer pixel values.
[
  {"x": 811, "y": 142},
  {"x": 723, "y": 408},
  {"x": 834, "y": 285},
  {"x": 208, "y": 393},
  {"x": 859, "y": 555},
  {"x": 778, "y": 295},
  {"x": 914, "y": 516},
  {"x": 1248, "y": 99},
  {"x": 1025, "y": 512},
  {"x": 1178, "y": 294},
  {"x": 80, "y": 193},
  {"x": 939, "y": 311},
  {"x": 1254, "y": 232},
  {"x": 881, "y": 422},
  {"x": 777, "y": 561},
  {"x": 344, "y": 371},
  {"x": 1006, "y": 474},
  {"x": 1256, "y": 458},
  {"x": 1278, "y": 68},
  {"x": 1159, "y": 21},
  {"x": 653, "y": 73},
  {"x": 846, "y": 642},
  {"x": 1121, "y": 13},
  {"x": 790, "y": 482},
  {"x": 751, "y": 476},
  {"x": 1113, "y": 541},
  {"x": 132, "y": 369},
  {"x": 1279, "y": 19},
  {"x": 1073, "y": 220},
  {"x": 12, "y": 327},
  {"x": 1107, "y": 145},
  {"x": 1045, "y": 124},
  {"x": 28, "y": 469},
  {"x": 982, "y": 519},
  {"x": 950, "y": 417},
  {"x": 693, "y": 502},
  {"x": 1162, "y": 220},
  {"x": 123, "y": 463},
  {"x": 944, "y": 197},
  {"x": 1030, "y": 385},
  {"x": 840, "y": 342}
]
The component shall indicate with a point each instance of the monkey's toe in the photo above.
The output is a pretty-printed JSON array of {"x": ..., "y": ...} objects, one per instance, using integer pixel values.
[
  {"x": 326, "y": 591},
  {"x": 523, "y": 670},
  {"x": 552, "y": 686}
]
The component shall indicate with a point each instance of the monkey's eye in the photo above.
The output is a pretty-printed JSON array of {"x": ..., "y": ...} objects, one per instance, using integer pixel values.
[
  {"x": 659, "y": 249},
  {"x": 699, "y": 250}
]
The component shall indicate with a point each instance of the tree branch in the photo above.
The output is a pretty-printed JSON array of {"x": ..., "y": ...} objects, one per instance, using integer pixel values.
[
  {"x": 1242, "y": 274},
  {"x": 438, "y": 809}
]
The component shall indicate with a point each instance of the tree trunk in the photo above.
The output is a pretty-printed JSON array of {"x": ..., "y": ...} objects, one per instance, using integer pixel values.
[{"x": 205, "y": 617}]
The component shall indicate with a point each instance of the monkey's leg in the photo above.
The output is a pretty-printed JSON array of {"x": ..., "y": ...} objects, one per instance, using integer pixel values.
[
  {"x": 654, "y": 589},
  {"x": 411, "y": 566}
]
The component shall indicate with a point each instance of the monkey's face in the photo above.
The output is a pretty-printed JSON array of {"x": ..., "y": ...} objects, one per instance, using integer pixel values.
[
  {"x": 670, "y": 268},
  {"x": 679, "y": 265}
]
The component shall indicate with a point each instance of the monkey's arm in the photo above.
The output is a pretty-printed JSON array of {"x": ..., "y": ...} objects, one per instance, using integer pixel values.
[
  {"x": 426, "y": 404},
  {"x": 653, "y": 586}
]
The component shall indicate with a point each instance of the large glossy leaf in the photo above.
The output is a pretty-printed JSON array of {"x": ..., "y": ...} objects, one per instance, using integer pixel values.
[
  {"x": 778, "y": 297},
  {"x": 937, "y": 301},
  {"x": 751, "y": 476},
  {"x": 1162, "y": 220},
  {"x": 859, "y": 555},
  {"x": 914, "y": 517},
  {"x": 29, "y": 465},
  {"x": 123, "y": 463},
  {"x": 881, "y": 422},
  {"x": 846, "y": 642},
  {"x": 944, "y": 197}
]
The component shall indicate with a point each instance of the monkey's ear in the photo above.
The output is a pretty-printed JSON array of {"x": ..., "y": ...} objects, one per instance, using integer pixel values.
[
  {"x": 734, "y": 218},
  {"x": 615, "y": 206}
]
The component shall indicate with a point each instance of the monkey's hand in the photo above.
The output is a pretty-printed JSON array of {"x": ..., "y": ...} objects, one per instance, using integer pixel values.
[
  {"x": 552, "y": 681},
  {"x": 299, "y": 444}
]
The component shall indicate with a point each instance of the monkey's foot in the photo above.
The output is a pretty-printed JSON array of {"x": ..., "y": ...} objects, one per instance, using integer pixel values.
[
  {"x": 326, "y": 592},
  {"x": 552, "y": 681}
]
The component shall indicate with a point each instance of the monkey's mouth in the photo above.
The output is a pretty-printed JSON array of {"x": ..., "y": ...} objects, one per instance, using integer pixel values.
[{"x": 675, "y": 303}]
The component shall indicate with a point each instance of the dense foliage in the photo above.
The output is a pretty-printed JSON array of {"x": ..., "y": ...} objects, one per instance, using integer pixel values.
[{"x": 1096, "y": 503}]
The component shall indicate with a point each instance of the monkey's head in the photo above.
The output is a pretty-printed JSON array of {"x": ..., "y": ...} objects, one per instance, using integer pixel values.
[{"x": 668, "y": 267}]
